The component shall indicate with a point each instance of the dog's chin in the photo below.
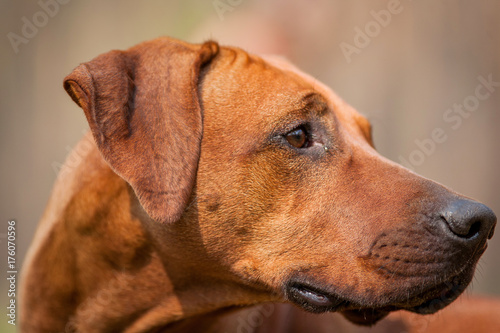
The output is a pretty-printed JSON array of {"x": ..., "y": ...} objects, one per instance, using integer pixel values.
[
  {"x": 426, "y": 303},
  {"x": 365, "y": 317},
  {"x": 315, "y": 299}
]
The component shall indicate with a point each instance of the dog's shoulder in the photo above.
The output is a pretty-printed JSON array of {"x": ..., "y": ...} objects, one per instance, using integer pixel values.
[
  {"x": 74, "y": 203},
  {"x": 88, "y": 231},
  {"x": 88, "y": 220}
]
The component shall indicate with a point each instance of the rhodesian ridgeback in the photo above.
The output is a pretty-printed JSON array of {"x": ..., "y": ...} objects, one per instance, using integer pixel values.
[{"x": 216, "y": 183}]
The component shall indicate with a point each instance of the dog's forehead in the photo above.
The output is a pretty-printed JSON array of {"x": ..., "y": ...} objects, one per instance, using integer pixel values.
[
  {"x": 344, "y": 111},
  {"x": 269, "y": 87},
  {"x": 255, "y": 96}
]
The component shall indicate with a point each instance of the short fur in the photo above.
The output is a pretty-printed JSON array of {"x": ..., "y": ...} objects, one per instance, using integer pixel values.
[{"x": 190, "y": 208}]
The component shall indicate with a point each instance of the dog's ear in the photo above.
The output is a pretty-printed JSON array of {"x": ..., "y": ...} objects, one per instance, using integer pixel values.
[{"x": 144, "y": 112}]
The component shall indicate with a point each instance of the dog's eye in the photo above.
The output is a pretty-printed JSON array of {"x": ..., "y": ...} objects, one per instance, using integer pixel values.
[{"x": 298, "y": 137}]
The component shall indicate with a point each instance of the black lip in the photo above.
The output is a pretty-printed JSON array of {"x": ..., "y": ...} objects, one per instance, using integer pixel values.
[
  {"x": 316, "y": 300},
  {"x": 313, "y": 299},
  {"x": 445, "y": 295}
]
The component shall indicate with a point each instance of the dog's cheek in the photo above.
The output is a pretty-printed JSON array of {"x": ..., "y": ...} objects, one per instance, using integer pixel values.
[{"x": 238, "y": 202}]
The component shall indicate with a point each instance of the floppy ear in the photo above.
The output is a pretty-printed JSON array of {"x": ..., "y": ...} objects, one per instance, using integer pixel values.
[{"x": 143, "y": 109}]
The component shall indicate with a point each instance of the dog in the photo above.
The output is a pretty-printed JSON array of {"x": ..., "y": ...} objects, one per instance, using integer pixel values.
[{"x": 215, "y": 183}]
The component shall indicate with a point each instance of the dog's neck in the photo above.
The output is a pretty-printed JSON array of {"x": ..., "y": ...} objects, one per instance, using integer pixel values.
[{"x": 168, "y": 272}]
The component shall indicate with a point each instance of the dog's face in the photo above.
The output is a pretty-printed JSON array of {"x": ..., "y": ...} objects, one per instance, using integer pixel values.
[
  {"x": 288, "y": 174},
  {"x": 288, "y": 191}
]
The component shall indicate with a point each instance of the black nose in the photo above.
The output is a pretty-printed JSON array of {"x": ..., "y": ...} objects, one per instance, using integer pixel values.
[{"x": 469, "y": 220}]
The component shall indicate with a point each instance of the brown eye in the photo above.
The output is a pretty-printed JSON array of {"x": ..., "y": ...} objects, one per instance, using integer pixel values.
[{"x": 297, "y": 138}]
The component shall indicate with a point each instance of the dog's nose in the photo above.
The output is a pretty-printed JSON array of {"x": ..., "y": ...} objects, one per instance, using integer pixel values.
[{"x": 468, "y": 220}]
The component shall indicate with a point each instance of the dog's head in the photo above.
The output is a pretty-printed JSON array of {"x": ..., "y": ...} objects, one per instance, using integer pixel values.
[{"x": 280, "y": 178}]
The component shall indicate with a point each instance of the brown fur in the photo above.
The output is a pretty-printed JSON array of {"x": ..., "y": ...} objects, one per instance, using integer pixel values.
[{"x": 190, "y": 206}]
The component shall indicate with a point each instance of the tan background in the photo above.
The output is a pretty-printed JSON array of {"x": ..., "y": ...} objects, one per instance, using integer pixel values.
[{"x": 425, "y": 60}]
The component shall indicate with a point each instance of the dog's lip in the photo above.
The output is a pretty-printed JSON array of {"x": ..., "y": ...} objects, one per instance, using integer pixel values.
[
  {"x": 442, "y": 296},
  {"x": 315, "y": 299},
  {"x": 312, "y": 298}
]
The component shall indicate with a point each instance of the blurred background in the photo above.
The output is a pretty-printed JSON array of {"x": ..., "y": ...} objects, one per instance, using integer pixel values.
[{"x": 413, "y": 67}]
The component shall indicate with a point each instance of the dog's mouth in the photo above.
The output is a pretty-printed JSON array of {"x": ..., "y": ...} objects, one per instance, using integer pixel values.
[
  {"x": 428, "y": 302},
  {"x": 316, "y": 300},
  {"x": 417, "y": 286},
  {"x": 313, "y": 299}
]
